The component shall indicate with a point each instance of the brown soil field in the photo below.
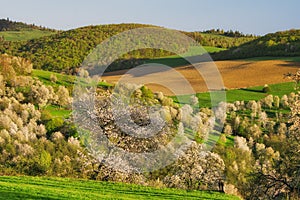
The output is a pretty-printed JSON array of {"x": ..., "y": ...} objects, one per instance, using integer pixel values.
[{"x": 234, "y": 74}]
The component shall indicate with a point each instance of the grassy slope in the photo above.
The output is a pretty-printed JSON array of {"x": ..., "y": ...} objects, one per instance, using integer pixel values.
[
  {"x": 24, "y": 34},
  {"x": 64, "y": 188},
  {"x": 62, "y": 79},
  {"x": 176, "y": 60},
  {"x": 44, "y": 76},
  {"x": 213, "y": 49}
]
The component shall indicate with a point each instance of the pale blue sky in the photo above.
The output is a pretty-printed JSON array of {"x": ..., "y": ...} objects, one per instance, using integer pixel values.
[{"x": 251, "y": 16}]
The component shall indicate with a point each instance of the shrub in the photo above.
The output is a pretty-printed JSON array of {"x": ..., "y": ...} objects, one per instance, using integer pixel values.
[
  {"x": 146, "y": 92},
  {"x": 266, "y": 89},
  {"x": 194, "y": 100},
  {"x": 54, "y": 125},
  {"x": 53, "y": 78},
  {"x": 69, "y": 129},
  {"x": 63, "y": 96},
  {"x": 45, "y": 116}
]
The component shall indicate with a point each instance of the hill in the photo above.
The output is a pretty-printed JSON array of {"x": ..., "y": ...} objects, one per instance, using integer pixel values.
[
  {"x": 66, "y": 50},
  {"x": 283, "y": 43},
  {"x": 9, "y": 25}
]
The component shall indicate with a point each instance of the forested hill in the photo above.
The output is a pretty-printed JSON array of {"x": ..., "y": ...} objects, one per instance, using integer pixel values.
[
  {"x": 66, "y": 50},
  {"x": 283, "y": 43},
  {"x": 9, "y": 25}
]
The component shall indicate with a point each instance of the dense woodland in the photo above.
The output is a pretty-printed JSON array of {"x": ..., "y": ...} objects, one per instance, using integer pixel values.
[{"x": 229, "y": 33}]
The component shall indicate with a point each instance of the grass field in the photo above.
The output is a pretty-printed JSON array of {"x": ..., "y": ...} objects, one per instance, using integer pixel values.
[
  {"x": 24, "y": 35},
  {"x": 245, "y": 94},
  {"x": 213, "y": 49},
  {"x": 62, "y": 79},
  {"x": 55, "y": 111},
  {"x": 64, "y": 188}
]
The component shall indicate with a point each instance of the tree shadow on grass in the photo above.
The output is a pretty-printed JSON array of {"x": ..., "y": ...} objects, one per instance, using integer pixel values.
[
  {"x": 21, "y": 195},
  {"x": 294, "y": 64},
  {"x": 151, "y": 63},
  {"x": 252, "y": 90}
]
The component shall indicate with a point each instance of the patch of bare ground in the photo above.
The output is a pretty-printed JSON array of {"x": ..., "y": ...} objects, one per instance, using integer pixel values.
[{"x": 235, "y": 74}]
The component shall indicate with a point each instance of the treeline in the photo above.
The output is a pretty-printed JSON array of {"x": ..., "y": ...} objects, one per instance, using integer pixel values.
[
  {"x": 229, "y": 33},
  {"x": 9, "y": 25},
  {"x": 221, "y": 41},
  {"x": 283, "y": 43},
  {"x": 65, "y": 51}
]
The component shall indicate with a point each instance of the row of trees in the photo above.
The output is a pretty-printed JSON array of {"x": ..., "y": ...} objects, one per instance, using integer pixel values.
[
  {"x": 229, "y": 33},
  {"x": 9, "y": 25}
]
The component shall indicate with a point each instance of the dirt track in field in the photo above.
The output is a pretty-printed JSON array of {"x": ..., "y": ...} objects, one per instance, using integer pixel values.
[{"x": 235, "y": 74}]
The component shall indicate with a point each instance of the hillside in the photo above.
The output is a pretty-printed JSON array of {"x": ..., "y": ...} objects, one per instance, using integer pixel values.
[
  {"x": 19, "y": 31},
  {"x": 66, "y": 50},
  {"x": 283, "y": 43},
  {"x": 59, "y": 188}
]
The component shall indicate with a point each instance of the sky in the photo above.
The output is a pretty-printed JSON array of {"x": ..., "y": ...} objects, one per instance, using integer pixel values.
[{"x": 248, "y": 16}]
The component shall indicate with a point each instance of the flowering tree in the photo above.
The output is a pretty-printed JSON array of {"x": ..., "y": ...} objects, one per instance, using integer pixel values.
[
  {"x": 197, "y": 169},
  {"x": 279, "y": 175}
]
